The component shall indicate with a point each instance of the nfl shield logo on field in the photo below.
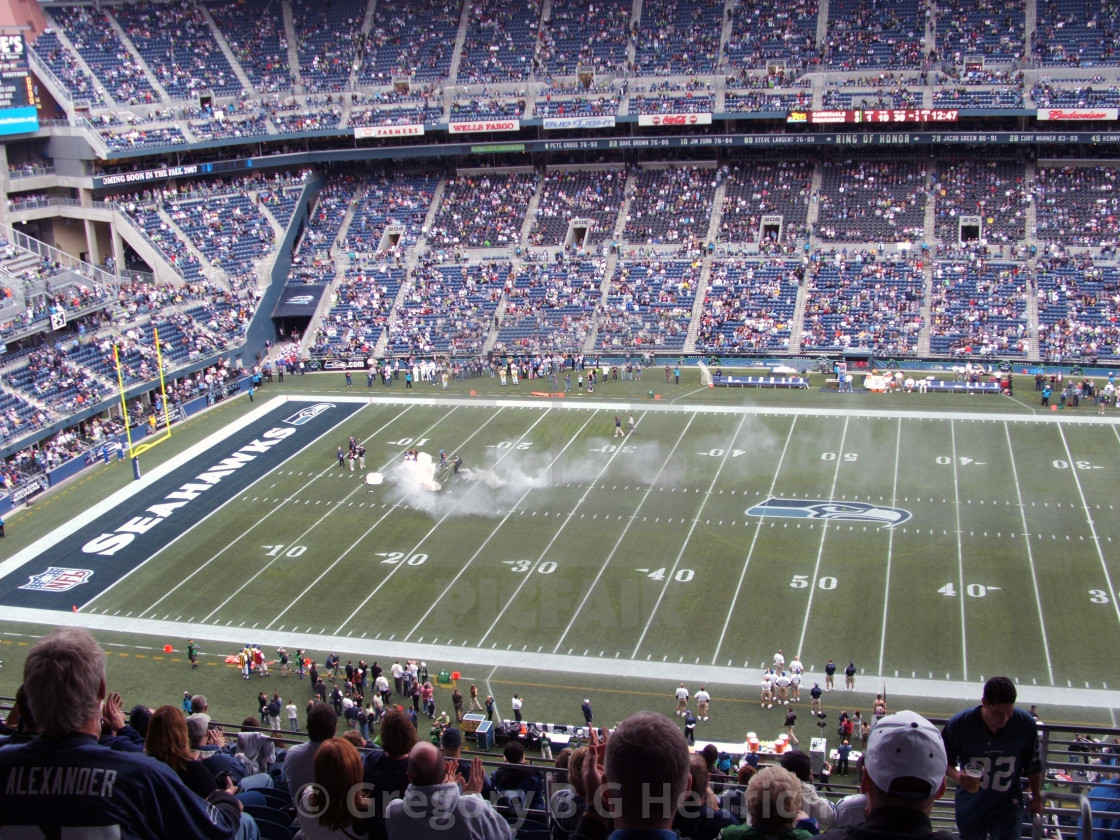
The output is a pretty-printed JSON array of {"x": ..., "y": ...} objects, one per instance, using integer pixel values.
[{"x": 57, "y": 579}]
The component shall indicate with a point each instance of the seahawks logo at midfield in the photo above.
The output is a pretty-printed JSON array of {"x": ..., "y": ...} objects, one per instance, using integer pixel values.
[{"x": 820, "y": 509}]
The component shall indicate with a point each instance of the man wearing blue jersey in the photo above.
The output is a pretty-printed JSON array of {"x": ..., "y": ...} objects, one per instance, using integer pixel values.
[
  {"x": 63, "y": 783},
  {"x": 989, "y": 749}
]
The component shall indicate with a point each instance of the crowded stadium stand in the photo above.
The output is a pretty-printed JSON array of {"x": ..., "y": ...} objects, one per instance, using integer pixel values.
[
  {"x": 679, "y": 37},
  {"x": 649, "y": 305},
  {"x": 185, "y": 60},
  {"x": 101, "y": 48},
  {"x": 872, "y": 201},
  {"x": 583, "y": 215},
  {"x": 1078, "y": 310},
  {"x": 576, "y": 35},
  {"x": 971, "y": 28},
  {"x": 359, "y": 311},
  {"x": 416, "y": 39},
  {"x": 881, "y": 34},
  {"x": 863, "y": 301},
  {"x": 670, "y": 205},
  {"x": 749, "y": 306},
  {"x": 990, "y": 190},
  {"x": 978, "y": 308},
  {"x": 254, "y": 30},
  {"x": 760, "y": 38},
  {"x": 325, "y": 42},
  {"x": 483, "y": 210},
  {"x": 1077, "y": 205},
  {"x": 754, "y": 190},
  {"x": 589, "y": 196},
  {"x": 1075, "y": 33},
  {"x": 499, "y": 41},
  {"x": 551, "y": 307}
]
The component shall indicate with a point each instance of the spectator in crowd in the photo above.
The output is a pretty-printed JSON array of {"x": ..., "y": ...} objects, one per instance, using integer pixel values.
[
  {"x": 451, "y": 745},
  {"x": 299, "y": 761},
  {"x": 774, "y": 807},
  {"x": 815, "y": 805},
  {"x": 210, "y": 747},
  {"x": 516, "y": 779},
  {"x": 1104, "y": 799},
  {"x": 331, "y": 807},
  {"x": 434, "y": 807},
  {"x": 734, "y": 799},
  {"x": 989, "y": 801},
  {"x": 128, "y": 793},
  {"x": 567, "y": 804},
  {"x": 636, "y": 778},
  {"x": 699, "y": 816},
  {"x": 902, "y": 777},
  {"x": 385, "y": 770},
  {"x": 168, "y": 741}
]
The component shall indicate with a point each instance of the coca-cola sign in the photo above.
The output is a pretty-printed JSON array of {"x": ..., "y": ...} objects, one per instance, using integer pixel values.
[
  {"x": 674, "y": 119},
  {"x": 1101, "y": 114}
]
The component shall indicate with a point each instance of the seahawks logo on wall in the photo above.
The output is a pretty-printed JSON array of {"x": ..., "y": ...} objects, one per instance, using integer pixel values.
[{"x": 820, "y": 509}]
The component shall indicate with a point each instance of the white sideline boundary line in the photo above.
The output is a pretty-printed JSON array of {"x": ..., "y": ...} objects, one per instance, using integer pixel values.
[{"x": 668, "y": 672}]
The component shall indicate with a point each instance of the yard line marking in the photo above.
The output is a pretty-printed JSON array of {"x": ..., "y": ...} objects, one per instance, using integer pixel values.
[
  {"x": 598, "y": 575},
  {"x": 960, "y": 546},
  {"x": 1030, "y": 554},
  {"x": 1092, "y": 526},
  {"x": 750, "y": 551},
  {"x": 391, "y": 509},
  {"x": 442, "y": 519},
  {"x": 824, "y": 535},
  {"x": 313, "y": 525},
  {"x": 684, "y": 544},
  {"x": 190, "y": 530},
  {"x": 890, "y": 550},
  {"x": 565, "y": 520}
]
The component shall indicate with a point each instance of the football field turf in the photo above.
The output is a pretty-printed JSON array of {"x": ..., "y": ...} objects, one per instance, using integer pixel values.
[{"x": 932, "y": 546}]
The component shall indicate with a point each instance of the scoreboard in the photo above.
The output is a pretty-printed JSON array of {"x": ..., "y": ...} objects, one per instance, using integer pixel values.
[{"x": 18, "y": 107}]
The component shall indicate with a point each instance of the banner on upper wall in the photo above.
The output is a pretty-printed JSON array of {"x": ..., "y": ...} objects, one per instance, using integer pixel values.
[
  {"x": 674, "y": 119},
  {"x": 483, "y": 125},
  {"x": 365, "y": 132},
  {"x": 551, "y": 123},
  {"x": 1102, "y": 114},
  {"x": 299, "y": 301}
]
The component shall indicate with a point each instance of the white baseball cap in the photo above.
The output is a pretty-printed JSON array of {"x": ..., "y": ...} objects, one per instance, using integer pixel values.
[{"x": 905, "y": 756}]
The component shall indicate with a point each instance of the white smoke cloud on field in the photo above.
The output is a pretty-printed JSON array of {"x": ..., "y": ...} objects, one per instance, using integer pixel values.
[{"x": 524, "y": 477}]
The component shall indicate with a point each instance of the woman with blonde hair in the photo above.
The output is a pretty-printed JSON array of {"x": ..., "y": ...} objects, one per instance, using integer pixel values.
[
  {"x": 331, "y": 807},
  {"x": 774, "y": 803},
  {"x": 167, "y": 740}
]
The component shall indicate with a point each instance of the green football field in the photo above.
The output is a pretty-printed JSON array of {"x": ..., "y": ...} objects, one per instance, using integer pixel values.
[{"x": 933, "y": 540}]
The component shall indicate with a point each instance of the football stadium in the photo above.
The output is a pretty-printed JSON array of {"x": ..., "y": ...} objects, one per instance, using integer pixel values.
[{"x": 576, "y": 352}]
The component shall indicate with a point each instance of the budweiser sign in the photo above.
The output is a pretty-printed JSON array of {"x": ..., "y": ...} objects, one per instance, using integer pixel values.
[
  {"x": 675, "y": 119},
  {"x": 363, "y": 132},
  {"x": 1077, "y": 113},
  {"x": 484, "y": 125}
]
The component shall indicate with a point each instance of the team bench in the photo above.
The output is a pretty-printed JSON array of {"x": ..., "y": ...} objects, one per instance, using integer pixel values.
[
  {"x": 935, "y": 385},
  {"x": 761, "y": 381}
]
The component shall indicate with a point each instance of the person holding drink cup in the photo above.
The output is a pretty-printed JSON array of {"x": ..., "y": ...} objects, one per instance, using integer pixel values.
[{"x": 990, "y": 748}]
